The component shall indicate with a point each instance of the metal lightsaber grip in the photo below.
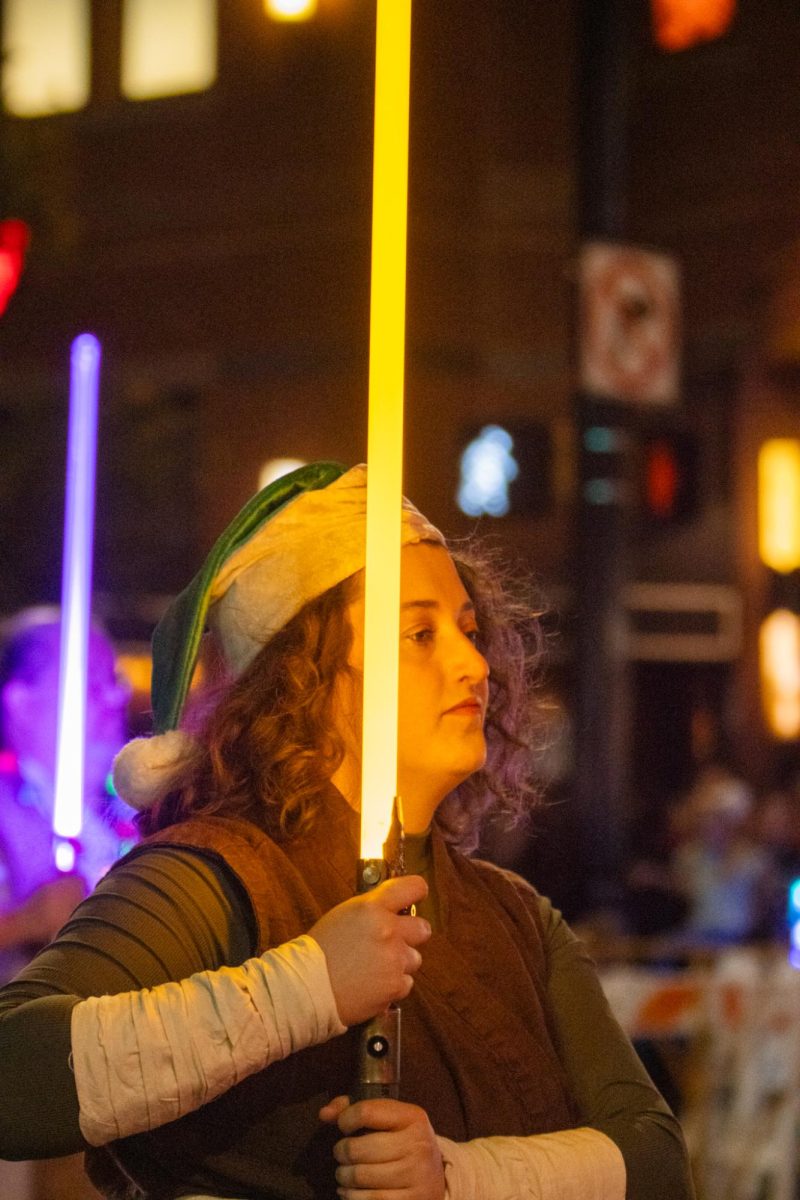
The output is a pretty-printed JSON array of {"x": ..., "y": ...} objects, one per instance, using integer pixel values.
[
  {"x": 379, "y": 1057},
  {"x": 379, "y": 1041}
]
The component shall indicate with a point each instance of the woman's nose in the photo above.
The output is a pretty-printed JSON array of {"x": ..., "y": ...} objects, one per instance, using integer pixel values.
[{"x": 473, "y": 666}]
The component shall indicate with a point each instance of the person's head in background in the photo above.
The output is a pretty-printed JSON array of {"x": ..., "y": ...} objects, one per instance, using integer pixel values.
[
  {"x": 29, "y": 668},
  {"x": 720, "y": 805}
]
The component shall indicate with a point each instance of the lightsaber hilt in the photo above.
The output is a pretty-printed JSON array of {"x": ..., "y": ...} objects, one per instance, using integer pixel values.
[
  {"x": 379, "y": 1039},
  {"x": 379, "y": 1057},
  {"x": 371, "y": 872}
]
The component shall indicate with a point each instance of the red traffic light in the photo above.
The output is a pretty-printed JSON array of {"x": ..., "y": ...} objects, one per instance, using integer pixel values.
[
  {"x": 15, "y": 237},
  {"x": 681, "y": 24},
  {"x": 668, "y": 477}
]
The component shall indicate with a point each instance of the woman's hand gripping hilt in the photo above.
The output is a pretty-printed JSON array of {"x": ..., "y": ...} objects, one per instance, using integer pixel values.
[{"x": 379, "y": 1040}]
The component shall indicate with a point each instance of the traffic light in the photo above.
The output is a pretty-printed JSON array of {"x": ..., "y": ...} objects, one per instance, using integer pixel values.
[
  {"x": 668, "y": 477},
  {"x": 14, "y": 239},
  {"x": 506, "y": 470},
  {"x": 682, "y": 24}
]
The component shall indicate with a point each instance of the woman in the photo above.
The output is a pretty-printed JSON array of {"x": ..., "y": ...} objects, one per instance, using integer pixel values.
[
  {"x": 35, "y": 898},
  {"x": 195, "y": 1019}
]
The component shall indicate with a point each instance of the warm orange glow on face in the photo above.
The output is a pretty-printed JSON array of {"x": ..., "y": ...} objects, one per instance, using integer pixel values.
[{"x": 680, "y": 24}]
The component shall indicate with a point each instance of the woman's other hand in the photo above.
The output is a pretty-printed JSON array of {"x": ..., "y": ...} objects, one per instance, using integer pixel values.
[
  {"x": 400, "y": 1154},
  {"x": 371, "y": 947}
]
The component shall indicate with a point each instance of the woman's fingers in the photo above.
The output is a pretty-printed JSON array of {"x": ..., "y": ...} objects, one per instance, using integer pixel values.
[
  {"x": 366, "y": 1148},
  {"x": 371, "y": 949},
  {"x": 399, "y": 1159},
  {"x": 331, "y": 1111},
  {"x": 376, "y": 1176},
  {"x": 399, "y": 893},
  {"x": 377, "y": 1194},
  {"x": 379, "y": 1114},
  {"x": 415, "y": 960},
  {"x": 415, "y": 931}
]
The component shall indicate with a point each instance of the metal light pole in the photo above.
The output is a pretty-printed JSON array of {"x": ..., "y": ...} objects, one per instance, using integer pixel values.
[{"x": 601, "y": 558}]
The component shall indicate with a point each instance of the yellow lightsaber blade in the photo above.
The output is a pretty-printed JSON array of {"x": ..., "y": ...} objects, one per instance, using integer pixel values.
[{"x": 385, "y": 433}]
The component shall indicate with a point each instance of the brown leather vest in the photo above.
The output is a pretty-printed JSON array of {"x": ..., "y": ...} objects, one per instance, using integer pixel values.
[{"x": 477, "y": 1047}]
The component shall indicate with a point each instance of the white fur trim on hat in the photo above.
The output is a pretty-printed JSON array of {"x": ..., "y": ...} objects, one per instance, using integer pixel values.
[{"x": 147, "y": 768}]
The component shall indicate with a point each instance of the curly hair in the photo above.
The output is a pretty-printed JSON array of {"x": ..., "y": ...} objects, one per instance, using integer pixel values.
[
  {"x": 268, "y": 743},
  {"x": 512, "y": 641}
]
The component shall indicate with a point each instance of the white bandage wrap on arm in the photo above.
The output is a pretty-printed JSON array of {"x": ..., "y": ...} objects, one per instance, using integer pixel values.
[
  {"x": 144, "y": 1058},
  {"x": 576, "y": 1164}
]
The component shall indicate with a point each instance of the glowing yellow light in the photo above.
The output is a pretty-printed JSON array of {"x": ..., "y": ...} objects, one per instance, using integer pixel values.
[
  {"x": 385, "y": 440},
  {"x": 290, "y": 10},
  {"x": 135, "y": 668},
  {"x": 779, "y": 504},
  {"x": 275, "y": 468},
  {"x": 779, "y": 645}
]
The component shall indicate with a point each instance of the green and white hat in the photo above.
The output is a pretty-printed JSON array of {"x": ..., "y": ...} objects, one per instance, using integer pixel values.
[{"x": 291, "y": 542}]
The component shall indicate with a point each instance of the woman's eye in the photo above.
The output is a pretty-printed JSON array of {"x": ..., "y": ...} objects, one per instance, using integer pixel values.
[
  {"x": 421, "y": 635},
  {"x": 473, "y": 635}
]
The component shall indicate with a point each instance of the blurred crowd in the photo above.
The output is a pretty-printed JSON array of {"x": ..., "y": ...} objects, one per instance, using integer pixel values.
[{"x": 731, "y": 858}]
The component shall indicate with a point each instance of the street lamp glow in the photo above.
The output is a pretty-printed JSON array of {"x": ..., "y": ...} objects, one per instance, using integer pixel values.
[{"x": 290, "y": 10}]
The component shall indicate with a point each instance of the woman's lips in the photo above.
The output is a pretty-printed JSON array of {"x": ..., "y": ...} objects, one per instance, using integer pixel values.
[{"x": 467, "y": 708}]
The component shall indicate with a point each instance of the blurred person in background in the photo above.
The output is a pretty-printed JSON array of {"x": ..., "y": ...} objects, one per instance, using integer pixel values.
[
  {"x": 724, "y": 877},
  {"x": 35, "y": 897},
  {"x": 777, "y": 830}
]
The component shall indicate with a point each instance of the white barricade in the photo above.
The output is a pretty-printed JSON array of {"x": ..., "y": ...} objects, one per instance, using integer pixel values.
[{"x": 741, "y": 1015}]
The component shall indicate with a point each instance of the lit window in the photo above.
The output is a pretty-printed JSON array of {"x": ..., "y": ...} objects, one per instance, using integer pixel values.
[
  {"x": 169, "y": 47},
  {"x": 46, "y": 66}
]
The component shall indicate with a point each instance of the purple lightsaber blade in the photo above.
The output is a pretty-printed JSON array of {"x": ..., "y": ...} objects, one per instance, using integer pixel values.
[{"x": 76, "y": 595}]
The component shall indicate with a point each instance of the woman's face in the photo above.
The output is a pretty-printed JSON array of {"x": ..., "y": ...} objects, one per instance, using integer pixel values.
[{"x": 443, "y": 681}]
